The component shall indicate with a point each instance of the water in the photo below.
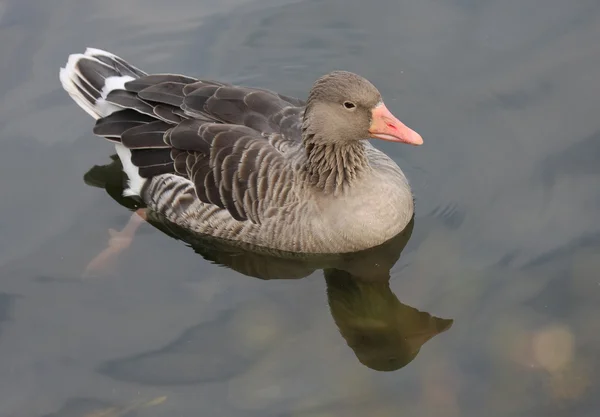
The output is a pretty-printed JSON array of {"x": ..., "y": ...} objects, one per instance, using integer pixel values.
[{"x": 498, "y": 284}]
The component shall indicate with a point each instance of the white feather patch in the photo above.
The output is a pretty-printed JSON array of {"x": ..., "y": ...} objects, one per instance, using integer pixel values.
[
  {"x": 136, "y": 182},
  {"x": 71, "y": 78},
  {"x": 116, "y": 82}
]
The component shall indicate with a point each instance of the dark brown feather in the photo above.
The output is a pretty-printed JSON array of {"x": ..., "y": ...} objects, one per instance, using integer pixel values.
[
  {"x": 186, "y": 135},
  {"x": 148, "y": 157},
  {"x": 166, "y": 92},
  {"x": 179, "y": 160},
  {"x": 195, "y": 101},
  {"x": 129, "y": 100},
  {"x": 118, "y": 122},
  {"x": 142, "y": 83},
  {"x": 189, "y": 88},
  {"x": 200, "y": 170},
  {"x": 167, "y": 113},
  {"x": 94, "y": 74},
  {"x": 121, "y": 66},
  {"x": 91, "y": 96},
  {"x": 149, "y": 135},
  {"x": 211, "y": 188}
]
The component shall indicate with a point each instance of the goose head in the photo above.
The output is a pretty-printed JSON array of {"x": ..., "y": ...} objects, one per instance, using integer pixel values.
[{"x": 343, "y": 107}]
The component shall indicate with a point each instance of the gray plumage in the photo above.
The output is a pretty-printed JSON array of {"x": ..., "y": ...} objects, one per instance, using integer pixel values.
[{"x": 248, "y": 164}]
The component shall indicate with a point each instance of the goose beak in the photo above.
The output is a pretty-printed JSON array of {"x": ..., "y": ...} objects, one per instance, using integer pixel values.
[{"x": 386, "y": 126}]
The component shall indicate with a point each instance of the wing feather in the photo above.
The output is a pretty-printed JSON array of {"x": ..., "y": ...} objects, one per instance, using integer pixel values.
[
  {"x": 229, "y": 141},
  {"x": 168, "y": 92}
]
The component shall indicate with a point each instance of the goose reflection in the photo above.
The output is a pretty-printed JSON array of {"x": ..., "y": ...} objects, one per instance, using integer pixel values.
[{"x": 384, "y": 333}]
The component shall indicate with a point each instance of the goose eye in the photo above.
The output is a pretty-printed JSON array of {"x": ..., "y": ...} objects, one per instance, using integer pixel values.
[{"x": 349, "y": 105}]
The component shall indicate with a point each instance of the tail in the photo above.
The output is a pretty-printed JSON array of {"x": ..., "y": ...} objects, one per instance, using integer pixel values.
[{"x": 88, "y": 78}]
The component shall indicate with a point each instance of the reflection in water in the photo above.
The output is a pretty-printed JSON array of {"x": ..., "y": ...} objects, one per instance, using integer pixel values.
[{"x": 384, "y": 333}]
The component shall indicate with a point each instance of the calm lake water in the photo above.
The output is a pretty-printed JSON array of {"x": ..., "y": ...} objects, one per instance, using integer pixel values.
[{"x": 498, "y": 285}]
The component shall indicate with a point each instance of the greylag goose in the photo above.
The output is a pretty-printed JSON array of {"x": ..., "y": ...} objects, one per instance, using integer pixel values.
[{"x": 247, "y": 164}]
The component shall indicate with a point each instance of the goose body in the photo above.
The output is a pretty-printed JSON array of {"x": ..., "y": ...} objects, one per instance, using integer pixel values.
[{"x": 247, "y": 164}]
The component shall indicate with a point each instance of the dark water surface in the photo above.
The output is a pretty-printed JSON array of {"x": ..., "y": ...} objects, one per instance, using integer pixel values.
[{"x": 499, "y": 283}]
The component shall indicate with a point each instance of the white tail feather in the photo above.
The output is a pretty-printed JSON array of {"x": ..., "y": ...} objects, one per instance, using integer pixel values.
[
  {"x": 136, "y": 182},
  {"x": 76, "y": 84},
  {"x": 71, "y": 78}
]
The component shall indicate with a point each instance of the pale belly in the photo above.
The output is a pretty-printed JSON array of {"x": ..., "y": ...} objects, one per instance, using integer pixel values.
[{"x": 373, "y": 213}]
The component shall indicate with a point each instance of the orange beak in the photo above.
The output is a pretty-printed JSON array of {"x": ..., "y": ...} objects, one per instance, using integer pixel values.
[{"x": 386, "y": 126}]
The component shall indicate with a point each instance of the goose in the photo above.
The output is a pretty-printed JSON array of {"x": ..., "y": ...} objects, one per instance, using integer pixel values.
[{"x": 250, "y": 165}]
